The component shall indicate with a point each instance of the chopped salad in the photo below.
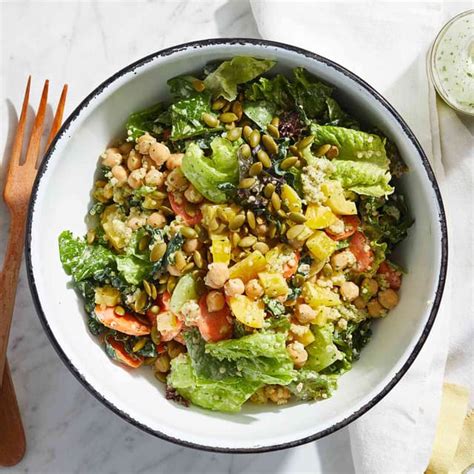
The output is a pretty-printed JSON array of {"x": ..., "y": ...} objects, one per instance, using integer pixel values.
[{"x": 240, "y": 238}]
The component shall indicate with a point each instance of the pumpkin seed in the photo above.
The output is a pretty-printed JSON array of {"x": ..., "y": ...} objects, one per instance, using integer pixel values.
[
  {"x": 90, "y": 236},
  {"x": 282, "y": 213},
  {"x": 234, "y": 134},
  {"x": 144, "y": 242},
  {"x": 254, "y": 138},
  {"x": 333, "y": 152},
  {"x": 171, "y": 283},
  {"x": 160, "y": 376},
  {"x": 273, "y": 131},
  {"x": 270, "y": 144},
  {"x": 162, "y": 363},
  {"x": 174, "y": 349},
  {"x": 245, "y": 151},
  {"x": 197, "y": 257},
  {"x": 149, "y": 360},
  {"x": 264, "y": 158},
  {"x": 247, "y": 131},
  {"x": 247, "y": 183},
  {"x": 235, "y": 239},
  {"x": 155, "y": 309},
  {"x": 119, "y": 311},
  {"x": 298, "y": 280},
  {"x": 140, "y": 301},
  {"x": 275, "y": 121},
  {"x": 166, "y": 210},
  {"x": 198, "y": 85},
  {"x": 226, "y": 107},
  {"x": 262, "y": 247},
  {"x": 237, "y": 109},
  {"x": 218, "y": 104},
  {"x": 322, "y": 150},
  {"x": 272, "y": 230},
  {"x": 150, "y": 289},
  {"x": 297, "y": 217},
  {"x": 179, "y": 260},
  {"x": 251, "y": 218},
  {"x": 228, "y": 117},
  {"x": 276, "y": 201},
  {"x": 268, "y": 190},
  {"x": 188, "y": 267},
  {"x": 305, "y": 142},
  {"x": 287, "y": 163},
  {"x": 256, "y": 169},
  {"x": 140, "y": 344},
  {"x": 157, "y": 251},
  {"x": 294, "y": 150},
  {"x": 237, "y": 222},
  {"x": 283, "y": 228},
  {"x": 247, "y": 241},
  {"x": 210, "y": 120},
  {"x": 213, "y": 225},
  {"x": 188, "y": 232},
  {"x": 230, "y": 126},
  {"x": 294, "y": 231}
]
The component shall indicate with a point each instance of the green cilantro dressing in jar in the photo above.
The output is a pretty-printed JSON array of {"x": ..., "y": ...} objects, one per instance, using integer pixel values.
[{"x": 452, "y": 63}]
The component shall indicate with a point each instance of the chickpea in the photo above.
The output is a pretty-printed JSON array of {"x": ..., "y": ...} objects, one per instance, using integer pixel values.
[
  {"x": 215, "y": 301},
  {"x": 134, "y": 161},
  {"x": 193, "y": 195},
  {"x": 369, "y": 286},
  {"x": 375, "y": 309},
  {"x": 111, "y": 157},
  {"x": 388, "y": 298},
  {"x": 120, "y": 174},
  {"x": 135, "y": 222},
  {"x": 159, "y": 153},
  {"x": 156, "y": 220},
  {"x": 297, "y": 353},
  {"x": 176, "y": 181},
  {"x": 144, "y": 143},
  {"x": 359, "y": 303},
  {"x": 217, "y": 275},
  {"x": 174, "y": 161},
  {"x": 191, "y": 245},
  {"x": 172, "y": 270},
  {"x": 126, "y": 148},
  {"x": 253, "y": 289},
  {"x": 147, "y": 163},
  {"x": 305, "y": 314},
  {"x": 135, "y": 179},
  {"x": 349, "y": 291},
  {"x": 234, "y": 286},
  {"x": 342, "y": 260},
  {"x": 154, "y": 178}
]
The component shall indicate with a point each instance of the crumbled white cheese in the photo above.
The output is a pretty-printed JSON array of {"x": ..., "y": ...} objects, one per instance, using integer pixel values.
[
  {"x": 191, "y": 312},
  {"x": 313, "y": 176}
]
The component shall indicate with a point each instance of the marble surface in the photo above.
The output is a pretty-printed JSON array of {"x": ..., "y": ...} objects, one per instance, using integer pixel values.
[{"x": 82, "y": 43}]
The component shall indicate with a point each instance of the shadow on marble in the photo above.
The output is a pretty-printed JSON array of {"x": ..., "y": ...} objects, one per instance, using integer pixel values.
[{"x": 235, "y": 19}]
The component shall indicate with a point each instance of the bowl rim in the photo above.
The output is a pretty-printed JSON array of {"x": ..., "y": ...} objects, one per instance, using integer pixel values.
[{"x": 340, "y": 69}]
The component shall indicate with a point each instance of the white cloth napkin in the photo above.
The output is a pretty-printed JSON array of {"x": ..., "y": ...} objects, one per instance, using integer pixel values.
[{"x": 386, "y": 44}]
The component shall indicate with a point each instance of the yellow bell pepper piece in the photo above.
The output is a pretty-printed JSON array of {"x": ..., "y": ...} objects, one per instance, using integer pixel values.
[
  {"x": 274, "y": 284},
  {"x": 247, "y": 311},
  {"x": 336, "y": 200},
  {"x": 249, "y": 267},
  {"x": 316, "y": 296},
  {"x": 319, "y": 217},
  {"x": 278, "y": 256},
  {"x": 321, "y": 245},
  {"x": 325, "y": 314},
  {"x": 220, "y": 249},
  {"x": 291, "y": 199},
  {"x": 305, "y": 338}
]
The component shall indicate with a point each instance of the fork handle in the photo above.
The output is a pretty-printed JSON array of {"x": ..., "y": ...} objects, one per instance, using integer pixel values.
[{"x": 9, "y": 279}]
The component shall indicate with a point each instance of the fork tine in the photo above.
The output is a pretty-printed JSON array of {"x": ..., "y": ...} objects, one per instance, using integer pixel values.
[
  {"x": 35, "y": 139},
  {"x": 20, "y": 131},
  {"x": 58, "y": 117}
]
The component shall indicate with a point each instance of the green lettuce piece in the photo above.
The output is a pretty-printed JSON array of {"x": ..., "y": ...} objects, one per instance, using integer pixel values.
[
  {"x": 224, "y": 80},
  {"x": 132, "y": 268},
  {"x": 274, "y": 91},
  {"x": 81, "y": 260},
  {"x": 147, "y": 120},
  {"x": 260, "y": 112},
  {"x": 208, "y": 173},
  {"x": 310, "y": 385},
  {"x": 322, "y": 352},
  {"x": 227, "y": 395},
  {"x": 181, "y": 87}
]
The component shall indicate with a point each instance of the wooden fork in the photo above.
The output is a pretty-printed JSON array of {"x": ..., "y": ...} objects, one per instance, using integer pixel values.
[{"x": 18, "y": 185}]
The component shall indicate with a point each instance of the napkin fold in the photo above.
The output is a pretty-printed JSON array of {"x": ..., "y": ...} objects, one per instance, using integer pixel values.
[{"x": 386, "y": 44}]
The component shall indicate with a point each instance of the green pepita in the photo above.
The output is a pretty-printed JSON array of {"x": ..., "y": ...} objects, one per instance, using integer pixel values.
[
  {"x": 90, "y": 236},
  {"x": 256, "y": 169},
  {"x": 263, "y": 157},
  {"x": 247, "y": 131},
  {"x": 276, "y": 201},
  {"x": 297, "y": 217},
  {"x": 140, "y": 301},
  {"x": 294, "y": 231},
  {"x": 157, "y": 251},
  {"x": 270, "y": 144},
  {"x": 188, "y": 232},
  {"x": 162, "y": 363},
  {"x": 322, "y": 150},
  {"x": 234, "y": 134},
  {"x": 160, "y": 376},
  {"x": 262, "y": 247},
  {"x": 268, "y": 190},
  {"x": 167, "y": 211},
  {"x": 254, "y": 138},
  {"x": 237, "y": 222},
  {"x": 247, "y": 183},
  {"x": 251, "y": 219},
  {"x": 287, "y": 163},
  {"x": 228, "y": 117},
  {"x": 237, "y": 109},
  {"x": 247, "y": 241},
  {"x": 273, "y": 131},
  {"x": 210, "y": 120},
  {"x": 144, "y": 242},
  {"x": 140, "y": 344},
  {"x": 197, "y": 257},
  {"x": 305, "y": 142},
  {"x": 119, "y": 311},
  {"x": 298, "y": 280},
  {"x": 245, "y": 151},
  {"x": 218, "y": 104},
  {"x": 275, "y": 121},
  {"x": 179, "y": 260}
]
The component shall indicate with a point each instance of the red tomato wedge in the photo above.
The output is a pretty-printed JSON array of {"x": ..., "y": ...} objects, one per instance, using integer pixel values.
[
  {"x": 178, "y": 209},
  {"x": 289, "y": 269},
  {"x": 392, "y": 277},
  {"x": 121, "y": 355},
  {"x": 168, "y": 325},
  {"x": 359, "y": 246},
  {"x": 214, "y": 326},
  {"x": 350, "y": 227},
  {"x": 128, "y": 323}
]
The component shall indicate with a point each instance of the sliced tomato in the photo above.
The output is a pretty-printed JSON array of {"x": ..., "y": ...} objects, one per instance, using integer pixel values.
[
  {"x": 128, "y": 323},
  {"x": 350, "y": 227},
  {"x": 168, "y": 325},
  {"x": 214, "y": 326},
  {"x": 359, "y": 246},
  {"x": 290, "y": 267},
  {"x": 179, "y": 210},
  {"x": 392, "y": 276},
  {"x": 121, "y": 355}
]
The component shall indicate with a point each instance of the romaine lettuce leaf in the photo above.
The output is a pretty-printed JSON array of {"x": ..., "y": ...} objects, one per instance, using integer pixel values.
[
  {"x": 208, "y": 173},
  {"x": 226, "y": 395},
  {"x": 261, "y": 112},
  {"x": 310, "y": 385},
  {"x": 181, "y": 87},
  {"x": 274, "y": 91},
  {"x": 133, "y": 269},
  {"x": 147, "y": 120},
  {"x": 81, "y": 260},
  {"x": 224, "y": 80}
]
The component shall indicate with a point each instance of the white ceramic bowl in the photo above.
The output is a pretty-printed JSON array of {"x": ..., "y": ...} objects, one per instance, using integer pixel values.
[{"x": 60, "y": 200}]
